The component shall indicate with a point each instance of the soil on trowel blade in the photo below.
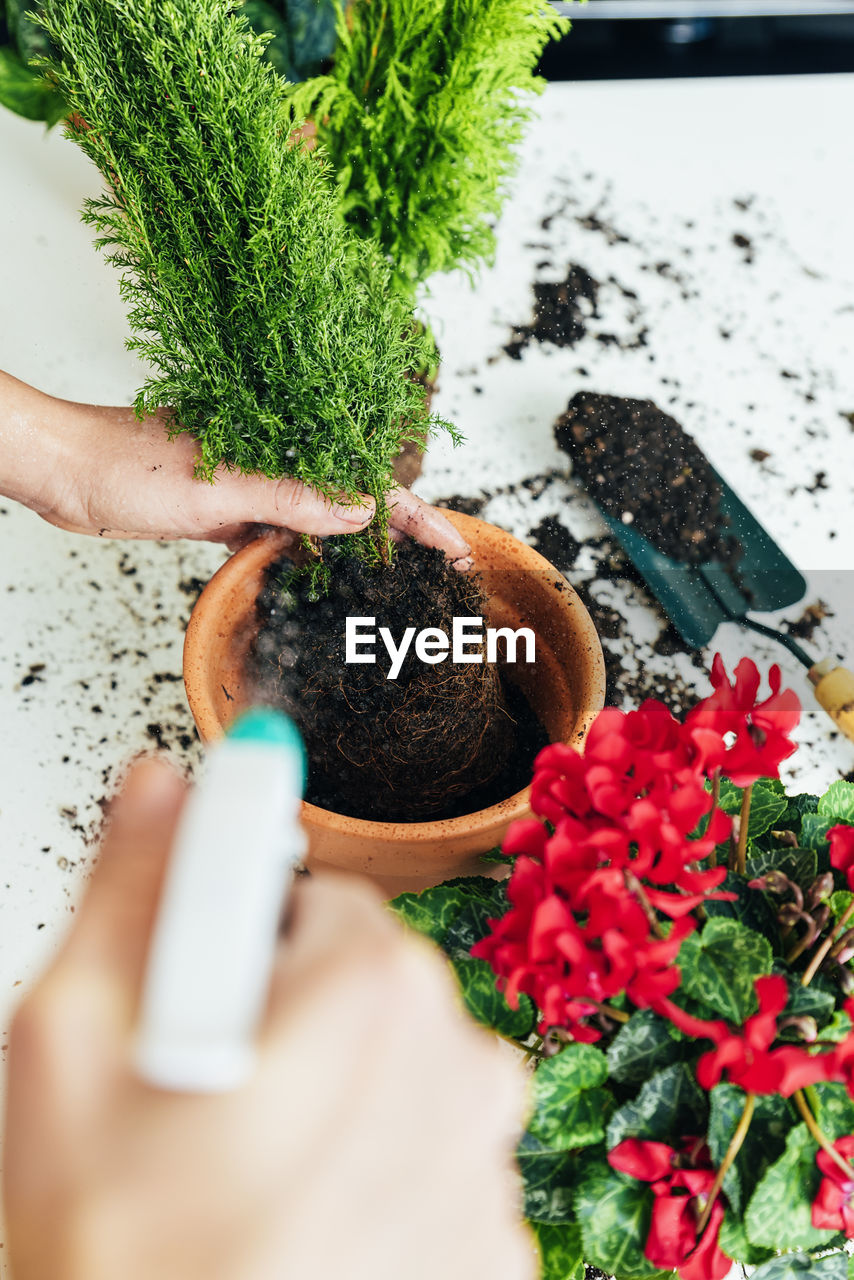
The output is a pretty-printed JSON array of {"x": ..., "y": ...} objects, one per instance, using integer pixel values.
[
  {"x": 645, "y": 471},
  {"x": 438, "y": 741}
]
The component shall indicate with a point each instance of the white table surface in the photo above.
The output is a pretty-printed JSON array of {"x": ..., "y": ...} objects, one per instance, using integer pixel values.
[{"x": 91, "y": 631}]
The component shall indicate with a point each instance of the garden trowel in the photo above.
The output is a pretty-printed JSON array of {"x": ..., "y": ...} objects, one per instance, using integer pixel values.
[{"x": 697, "y": 598}]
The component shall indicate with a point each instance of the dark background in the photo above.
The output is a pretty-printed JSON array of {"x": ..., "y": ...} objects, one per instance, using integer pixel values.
[{"x": 690, "y": 38}]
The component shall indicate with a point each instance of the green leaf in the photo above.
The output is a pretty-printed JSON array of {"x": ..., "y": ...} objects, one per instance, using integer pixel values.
[
  {"x": 751, "y": 907},
  {"x": 670, "y": 1105},
  {"x": 735, "y": 1244},
  {"x": 815, "y": 1001},
  {"x": 560, "y": 1251},
  {"x": 833, "y": 1109},
  {"x": 767, "y": 805},
  {"x": 798, "y": 805},
  {"x": 765, "y": 1142},
  {"x": 794, "y": 1266},
  {"x": 432, "y": 911},
  {"x": 569, "y": 1109},
  {"x": 614, "y": 1212},
  {"x": 719, "y": 967},
  {"x": 547, "y": 1181},
  {"x": 837, "y": 803},
  {"x": 486, "y": 1003},
  {"x": 26, "y": 92},
  {"x": 800, "y": 865},
  {"x": 838, "y": 1029},
  {"x": 779, "y": 1215},
  {"x": 840, "y": 902},
  {"x": 814, "y": 829},
  {"x": 642, "y": 1046}
]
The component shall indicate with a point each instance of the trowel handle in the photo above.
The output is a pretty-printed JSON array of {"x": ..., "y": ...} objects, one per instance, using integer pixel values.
[{"x": 834, "y": 690}]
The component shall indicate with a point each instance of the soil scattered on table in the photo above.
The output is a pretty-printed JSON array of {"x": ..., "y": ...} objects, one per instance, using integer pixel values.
[
  {"x": 565, "y": 309},
  {"x": 561, "y": 312},
  {"x": 439, "y": 741},
  {"x": 642, "y": 469},
  {"x": 804, "y": 627}
]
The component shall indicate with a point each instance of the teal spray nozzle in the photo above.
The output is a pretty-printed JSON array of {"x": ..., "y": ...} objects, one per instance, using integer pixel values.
[{"x": 215, "y": 937}]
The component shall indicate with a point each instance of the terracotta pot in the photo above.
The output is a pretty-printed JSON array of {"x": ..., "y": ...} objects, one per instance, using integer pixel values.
[{"x": 565, "y": 687}]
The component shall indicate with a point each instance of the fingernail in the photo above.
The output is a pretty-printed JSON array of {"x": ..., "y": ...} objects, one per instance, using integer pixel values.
[
  {"x": 357, "y": 516},
  {"x": 152, "y": 786},
  {"x": 464, "y": 563}
]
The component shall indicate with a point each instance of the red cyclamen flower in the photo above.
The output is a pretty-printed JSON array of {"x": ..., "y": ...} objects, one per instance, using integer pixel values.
[
  {"x": 746, "y": 1056},
  {"x": 761, "y": 729},
  {"x": 842, "y": 851},
  {"x": 681, "y": 1181},
  {"x": 832, "y": 1208}
]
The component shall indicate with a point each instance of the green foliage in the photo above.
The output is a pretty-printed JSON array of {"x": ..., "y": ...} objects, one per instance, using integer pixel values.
[
  {"x": 272, "y": 332},
  {"x": 420, "y": 115},
  {"x": 751, "y": 907},
  {"x": 767, "y": 805},
  {"x": 735, "y": 1244},
  {"x": 833, "y": 1109},
  {"x": 671, "y": 1105},
  {"x": 560, "y": 1252},
  {"x": 547, "y": 1178},
  {"x": 613, "y": 1212},
  {"x": 765, "y": 1142},
  {"x": 800, "y": 1266},
  {"x": 641, "y": 1047},
  {"x": 720, "y": 964},
  {"x": 303, "y": 34},
  {"x": 815, "y": 1001},
  {"x": 837, "y": 803},
  {"x": 779, "y": 1216},
  {"x": 486, "y": 1003},
  {"x": 25, "y": 92},
  {"x": 814, "y": 829},
  {"x": 455, "y": 916},
  {"x": 639, "y": 1080},
  {"x": 840, "y": 902},
  {"x": 22, "y": 89},
  {"x": 800, "y": 865},
  {"x": 569, "y": 1109}
]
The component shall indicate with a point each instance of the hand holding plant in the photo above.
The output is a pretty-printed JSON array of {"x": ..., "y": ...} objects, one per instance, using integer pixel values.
[
  {"x": 673, "y": 953},
  {"x": 101, "y": 471}
]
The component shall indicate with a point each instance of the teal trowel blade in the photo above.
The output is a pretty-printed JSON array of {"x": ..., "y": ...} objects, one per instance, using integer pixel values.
[{"x": 698, "y": 598}]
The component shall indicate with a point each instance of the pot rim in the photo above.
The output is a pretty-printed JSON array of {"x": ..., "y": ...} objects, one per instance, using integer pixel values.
[{"x": 480, "y": 820}]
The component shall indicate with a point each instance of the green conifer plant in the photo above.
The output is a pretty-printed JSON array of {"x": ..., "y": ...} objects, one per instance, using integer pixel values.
[
  {"x": 271, "y": 330},
  {"x": 421, "y": 114}
]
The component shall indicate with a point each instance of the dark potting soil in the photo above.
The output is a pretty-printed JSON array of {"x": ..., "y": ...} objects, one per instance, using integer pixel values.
[
  {"x": 439, "y": 741},
  {"x": 561, "y": 311},
  {"x": 641, "y": 468}
]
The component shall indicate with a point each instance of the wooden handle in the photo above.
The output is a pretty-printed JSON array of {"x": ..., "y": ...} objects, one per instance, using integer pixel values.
[{"x": 834, "y": 690}]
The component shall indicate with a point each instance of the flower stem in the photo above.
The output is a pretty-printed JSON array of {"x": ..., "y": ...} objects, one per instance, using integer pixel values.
[
  {"x": 815, "y": 963},
  {"x": 819, "y": 1134},
  {"x": 635, "y": 887},
  {"x": 743, "y": 824},
  {"x": 732, "y": 1151},
  {"x": 716, "y": 796},
  {"x": 618, "y": 1015}
]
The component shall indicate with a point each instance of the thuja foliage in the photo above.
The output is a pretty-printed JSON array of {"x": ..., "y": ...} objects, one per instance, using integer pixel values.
[
  {"x": 420, "y": 115},
  {"x": 271, "y": 330},
  {"x": 674, "y": 952}
]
